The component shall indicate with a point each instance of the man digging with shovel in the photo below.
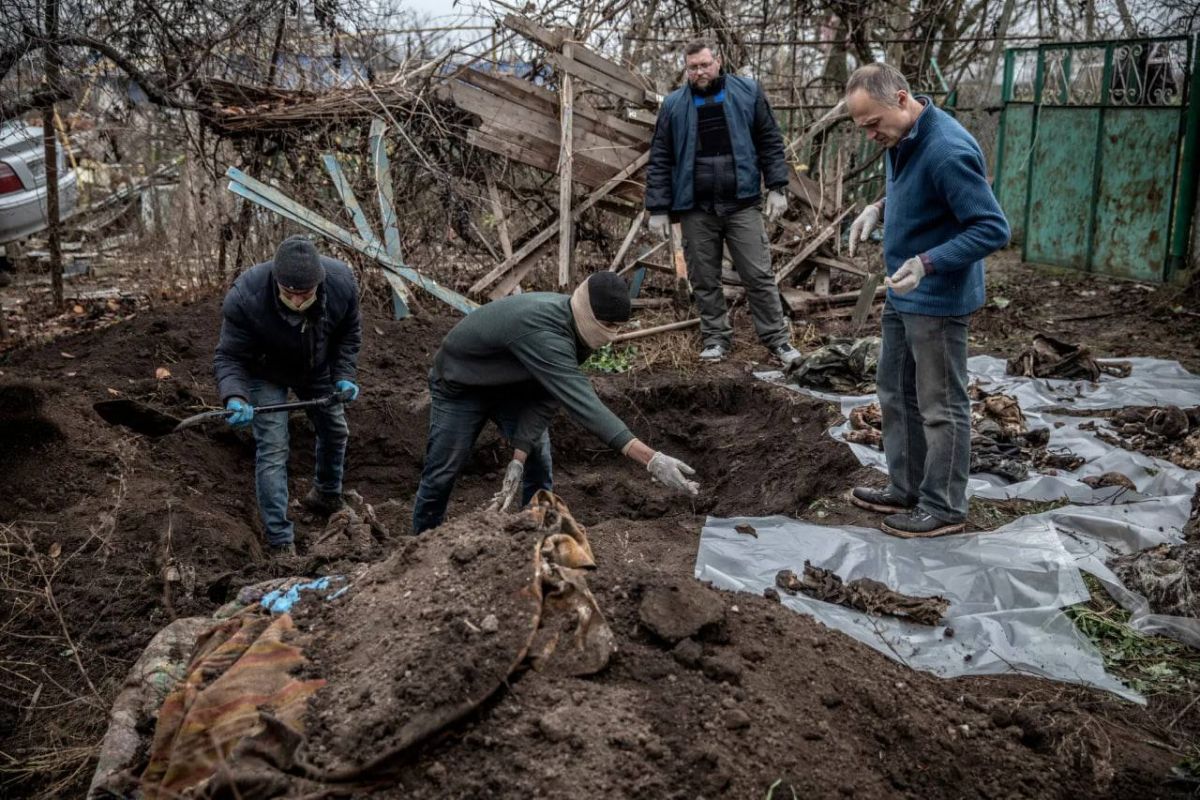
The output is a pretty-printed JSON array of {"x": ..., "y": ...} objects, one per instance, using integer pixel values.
[
  {"x": 941, "y": 221},
  {"x": 515, "y": 361},
  {"x": 291, "y": 323}
]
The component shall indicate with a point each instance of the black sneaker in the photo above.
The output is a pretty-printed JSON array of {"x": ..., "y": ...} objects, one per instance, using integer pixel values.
[
  {"x": 885, "y": 501},
  {"x": 918, "y": 524},
  {"x": 281, "y": 550},
  {"x": 322, "y": 504}
]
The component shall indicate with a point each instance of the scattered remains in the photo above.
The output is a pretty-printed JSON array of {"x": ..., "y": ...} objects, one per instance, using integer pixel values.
[
  {"x": 1166, "y": 432},
  {"x": 864, "y": 594},
  {"x": 1050, "y": 358},
  {"x": 1001, "y": 442}
]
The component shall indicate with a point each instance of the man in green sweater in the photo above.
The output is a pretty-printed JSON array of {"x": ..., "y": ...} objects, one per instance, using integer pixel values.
[{"x": 515, "y": 361}]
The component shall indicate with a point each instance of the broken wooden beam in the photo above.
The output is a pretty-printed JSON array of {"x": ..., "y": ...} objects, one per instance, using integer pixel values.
[
  {"x": 671, "y": 326},
  {"x": 811, "y": 247}
]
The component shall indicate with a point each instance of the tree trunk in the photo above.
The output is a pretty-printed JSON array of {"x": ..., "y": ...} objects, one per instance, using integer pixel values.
[
  {"x": 50, "y": 145},
  {"x": 1001, "y": 31}
]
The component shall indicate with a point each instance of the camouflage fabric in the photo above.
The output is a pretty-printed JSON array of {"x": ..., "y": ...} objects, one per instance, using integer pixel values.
[{"x": 844, "y": 366}]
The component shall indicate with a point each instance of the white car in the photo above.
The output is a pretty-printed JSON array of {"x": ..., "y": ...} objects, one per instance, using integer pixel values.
[{"x": 23, "y": 183}]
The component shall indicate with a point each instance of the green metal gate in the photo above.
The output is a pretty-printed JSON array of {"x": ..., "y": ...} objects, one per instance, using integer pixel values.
[{"x": 1096, "y": 158}]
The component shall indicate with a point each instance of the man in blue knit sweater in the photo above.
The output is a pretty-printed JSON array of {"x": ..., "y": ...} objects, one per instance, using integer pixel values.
[{"x": 940, "y": 219}]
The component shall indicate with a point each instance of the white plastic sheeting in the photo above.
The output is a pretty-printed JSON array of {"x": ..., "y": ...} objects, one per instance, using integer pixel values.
[
  {"x": 1006, "y": 590},
  {"x": 1007, "y": 587}
]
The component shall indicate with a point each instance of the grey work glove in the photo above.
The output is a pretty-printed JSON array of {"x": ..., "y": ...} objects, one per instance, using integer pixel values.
[
  {"x": 908, "y": 277},
  {"x": 775, "y": 206},
  {"x": 660, "y": 225},
  {"x": 510, "y": 490},
  {"x": 670, "y": 472},
  {"x": 862, "y": 226}
]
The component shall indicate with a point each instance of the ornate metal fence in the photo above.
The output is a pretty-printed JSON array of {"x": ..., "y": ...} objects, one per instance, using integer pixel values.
[{"x": 1096, "y": 158}]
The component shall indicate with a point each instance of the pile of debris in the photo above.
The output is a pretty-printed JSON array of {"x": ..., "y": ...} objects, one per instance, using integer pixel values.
[
  {"x": 1002, "y": 443},
  {"x": 1166, "y": 432},
  {"x": 1048, "y": 357},
  {"x": 864, "y": 594}
]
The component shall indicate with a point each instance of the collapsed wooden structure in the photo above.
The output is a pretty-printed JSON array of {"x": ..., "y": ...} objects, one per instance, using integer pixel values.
[{"x": 592, "y": 131}]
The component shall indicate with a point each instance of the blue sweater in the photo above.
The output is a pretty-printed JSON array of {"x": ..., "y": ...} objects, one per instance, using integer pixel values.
[{"x": 939, "y": 206}]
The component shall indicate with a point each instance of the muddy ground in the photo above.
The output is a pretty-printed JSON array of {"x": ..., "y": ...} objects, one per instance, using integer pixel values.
[{"x": 94, "y": 518}]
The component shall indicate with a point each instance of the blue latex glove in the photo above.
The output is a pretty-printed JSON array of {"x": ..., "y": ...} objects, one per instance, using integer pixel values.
[
  {"x": 243, "y": 412},
  {"x": 349, "y": 390}
]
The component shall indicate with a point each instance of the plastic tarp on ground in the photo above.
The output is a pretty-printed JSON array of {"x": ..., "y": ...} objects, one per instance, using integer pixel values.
[
  {"x": 1006, "y": 590},
  {"x": 1006, "y": 587}
]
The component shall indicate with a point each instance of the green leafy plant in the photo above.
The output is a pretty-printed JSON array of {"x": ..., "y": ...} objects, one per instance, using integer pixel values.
[{"x": 611, "y": 360}]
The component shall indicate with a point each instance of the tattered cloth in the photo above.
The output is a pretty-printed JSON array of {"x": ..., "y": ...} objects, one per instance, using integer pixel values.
[
  {"x": 239, "y": 685},
  {"x": 1051, "y": 358},
  {"x": 1001, "y": 442},
  {"x": 844, "y": 366},
  {"x": 864, "y": 594}
]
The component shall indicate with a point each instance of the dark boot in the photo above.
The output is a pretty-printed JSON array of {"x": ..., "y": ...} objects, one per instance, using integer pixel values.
[
  {"x": 321, "y": 504},
  {"x": 918, "y": 524},
  {"x": 884, "y": 501},
  {"x": 281, "y": 550}
]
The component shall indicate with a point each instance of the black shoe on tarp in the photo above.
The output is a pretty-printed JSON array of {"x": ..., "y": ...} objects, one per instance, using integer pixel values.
[
  {"x": 321, "y": 504},
  {"x": 884, "y": 501},
  {"x": 919, "y": 524}
]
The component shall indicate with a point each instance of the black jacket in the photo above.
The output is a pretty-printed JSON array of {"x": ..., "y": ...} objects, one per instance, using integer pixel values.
[
  {"x": 758, "y": 152},
  {"x": 262, "y": 338}
]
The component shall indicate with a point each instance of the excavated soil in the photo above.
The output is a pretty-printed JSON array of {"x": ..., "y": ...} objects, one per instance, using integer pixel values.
[{"x": 131, "y": 532}]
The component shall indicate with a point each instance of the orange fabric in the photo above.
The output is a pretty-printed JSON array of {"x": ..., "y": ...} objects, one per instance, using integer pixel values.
[{"x": 241, "y": 667}]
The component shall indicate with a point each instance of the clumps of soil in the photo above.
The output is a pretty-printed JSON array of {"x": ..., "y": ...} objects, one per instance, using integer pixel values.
[{"x": 24, "y": 430}]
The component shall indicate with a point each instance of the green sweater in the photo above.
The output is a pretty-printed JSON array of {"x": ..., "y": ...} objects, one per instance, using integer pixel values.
[{"x": 527, "y": 343}]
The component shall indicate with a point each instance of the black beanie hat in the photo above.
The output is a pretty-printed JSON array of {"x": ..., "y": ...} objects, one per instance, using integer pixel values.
[
  {"x": 609, "y": 296},
  {"x": 297, "y": 265}
]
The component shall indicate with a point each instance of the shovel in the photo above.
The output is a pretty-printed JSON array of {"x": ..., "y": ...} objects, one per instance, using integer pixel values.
[
  {"x": 866, "y": 297},
  {"x": 144, "y": 419}
]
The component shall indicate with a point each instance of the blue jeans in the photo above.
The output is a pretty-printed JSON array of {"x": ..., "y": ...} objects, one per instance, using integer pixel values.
[
  {"x": 922, "y": 384},
  {"x": 455, "y": 422},
  {"x": 271, "y": 454}
]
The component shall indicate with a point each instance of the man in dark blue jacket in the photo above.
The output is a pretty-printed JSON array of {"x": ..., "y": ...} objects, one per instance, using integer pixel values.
[
  {"x": 940, "y": 219},
  {"x": 715, "y": 144},
  {"x": 291, "y": 323}
]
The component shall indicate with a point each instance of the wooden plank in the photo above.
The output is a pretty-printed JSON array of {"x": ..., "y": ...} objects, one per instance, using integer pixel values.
[
  {"x": 566, "y": 223},
  {"x": 840, "y": 265},
  {"x": 494, "y": 110},
  {"x": 641, "y": 115},
  {"x": 274, "y": 200},
  {"x": 569, "y": 66},
  {"x": 514, "y": 277},
  {"x": 811, "y": 247},
  {"x": 802, "y": 301},
  {"x": 544, "y": 101},
  {"x": 671, "y": 326},
  {"x": 635, "y": 283},
  {"x": 821, "y": 281},
  {"x": 501, "y": 216},
  {"x": 556, "y": 40},
  {"x": 630, "y": 235},
  {"x": 588, "y": 171}
]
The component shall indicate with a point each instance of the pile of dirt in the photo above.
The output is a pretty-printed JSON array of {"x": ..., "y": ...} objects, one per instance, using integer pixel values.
[{"x": 124, "y": 533}]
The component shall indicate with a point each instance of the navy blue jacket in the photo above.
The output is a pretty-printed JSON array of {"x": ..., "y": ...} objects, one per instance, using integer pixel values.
[
  {"x": 262, "y": 338},
  {"x": 939, "y": 206},
  {"x": 757, "y": 146}
]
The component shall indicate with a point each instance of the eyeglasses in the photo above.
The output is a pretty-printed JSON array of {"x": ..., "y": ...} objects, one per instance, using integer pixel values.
[{"x": 700, "y": 67}]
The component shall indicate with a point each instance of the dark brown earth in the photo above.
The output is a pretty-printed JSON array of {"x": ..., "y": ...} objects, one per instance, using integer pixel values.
[{"x": 99, "y": 514}]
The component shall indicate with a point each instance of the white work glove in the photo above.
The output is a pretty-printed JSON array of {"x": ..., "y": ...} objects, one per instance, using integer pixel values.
[
  {"x": 905, "y": 279},
  {"x": 510, "y": 490},
  {"x": 862, "y": 226},
  {"x": 670, "y": 472},
  {"x": 660, "y": 225},
  {"x": 775, "y": 206}
]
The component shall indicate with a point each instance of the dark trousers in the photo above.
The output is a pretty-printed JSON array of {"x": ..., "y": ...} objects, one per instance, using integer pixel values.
[
  {"x": 922, "y": 384},
  {"x": 455, "y": 422},
  {"x": 704, "y": 238}
]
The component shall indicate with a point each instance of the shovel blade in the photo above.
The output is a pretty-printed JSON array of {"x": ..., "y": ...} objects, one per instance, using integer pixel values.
[
  {"x": 866, "y": 299},
  {"x": 137, "y": 417}
]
